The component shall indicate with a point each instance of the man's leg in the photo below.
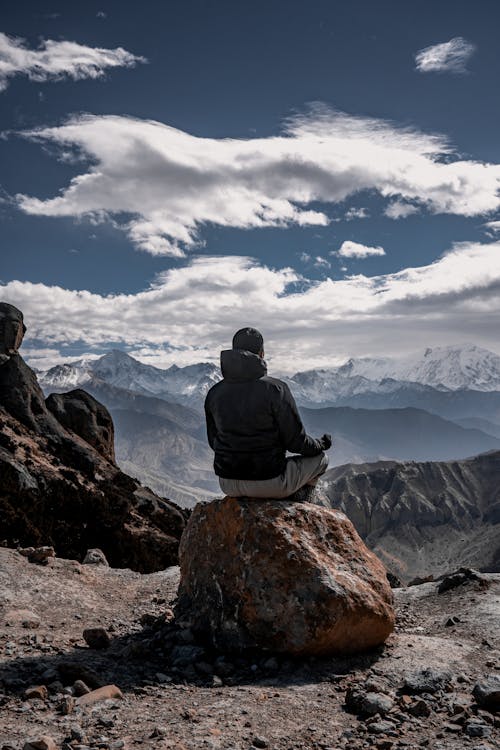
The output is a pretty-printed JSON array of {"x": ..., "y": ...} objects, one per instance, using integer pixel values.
[{"x": 300, "y": 470}]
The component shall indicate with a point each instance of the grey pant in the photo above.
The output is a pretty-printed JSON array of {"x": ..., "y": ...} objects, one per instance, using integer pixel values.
[{"x": 300, "y": 470}]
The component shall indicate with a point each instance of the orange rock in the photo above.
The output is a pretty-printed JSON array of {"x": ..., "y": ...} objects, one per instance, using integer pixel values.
[
  {"x": 101, "y": 694},
  {"x": 291, "y": 577},
  {"x": 40, "y": 743},
  {"x": 36, "y": 691}
]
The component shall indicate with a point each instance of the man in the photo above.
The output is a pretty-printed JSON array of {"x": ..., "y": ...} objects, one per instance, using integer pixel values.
[{"x": 252, "y": 421}]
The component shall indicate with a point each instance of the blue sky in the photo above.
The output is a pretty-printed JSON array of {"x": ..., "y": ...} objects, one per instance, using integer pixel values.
[{"x": 187, "y": 245}]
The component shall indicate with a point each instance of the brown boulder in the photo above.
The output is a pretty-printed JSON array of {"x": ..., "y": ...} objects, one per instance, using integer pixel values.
[
  {"x": 12, "y": 328},
  {"x": 81, "y": 413},
  {"x": 290, "y": 577}
]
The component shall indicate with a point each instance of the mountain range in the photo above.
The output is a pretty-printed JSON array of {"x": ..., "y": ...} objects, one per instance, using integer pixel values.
[{"x": 373, "y": 412}]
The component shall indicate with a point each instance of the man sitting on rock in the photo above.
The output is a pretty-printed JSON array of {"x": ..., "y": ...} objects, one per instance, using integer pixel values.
[{"x": 252, "y": 421}]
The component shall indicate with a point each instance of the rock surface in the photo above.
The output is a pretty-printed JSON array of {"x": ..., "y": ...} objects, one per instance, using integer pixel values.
[
  {"x": 12, "y": 328},
  {"x": 82, "y": 414},
  {"x": 60, "y": 486},
  {"x": 290, "y": 577}
]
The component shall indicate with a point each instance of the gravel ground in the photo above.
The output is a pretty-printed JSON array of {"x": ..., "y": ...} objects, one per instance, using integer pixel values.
[{"x": 174, "y": 693}]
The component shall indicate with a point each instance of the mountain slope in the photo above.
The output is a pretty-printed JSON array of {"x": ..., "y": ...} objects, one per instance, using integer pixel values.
[
  {"x": 423, "y": 518},
  {"x": 403, "y": 434}
]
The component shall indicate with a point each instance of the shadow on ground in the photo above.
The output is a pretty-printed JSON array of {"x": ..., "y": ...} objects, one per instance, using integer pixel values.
[{"x": 162, "y": 653}]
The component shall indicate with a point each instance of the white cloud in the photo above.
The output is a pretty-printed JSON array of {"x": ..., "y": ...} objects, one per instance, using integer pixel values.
[
  {"x": 58, "y": 60},
  {"x": 350, "y": 249},
  {"x": 190, "y": 313},
  {"x": 162, "y": 185},
  {"x": 42, "y": 358},
  {"x": 493, "y": 226},
  {"x": 356, "y": 213},
  {"x": 447, "y": 57},
  {"x": 400, "y": 210}
]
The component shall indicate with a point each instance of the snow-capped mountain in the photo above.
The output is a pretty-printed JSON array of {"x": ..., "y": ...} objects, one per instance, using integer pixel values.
[
  {"x": 444, "y": 368},
  {"x": 183, "y": 384}
]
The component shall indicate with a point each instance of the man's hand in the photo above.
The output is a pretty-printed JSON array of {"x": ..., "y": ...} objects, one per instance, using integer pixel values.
[{"x": 326, "y": 441}]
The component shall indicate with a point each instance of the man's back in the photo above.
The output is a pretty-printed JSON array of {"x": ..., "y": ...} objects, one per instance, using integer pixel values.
[{"x": 252, "y": 420}]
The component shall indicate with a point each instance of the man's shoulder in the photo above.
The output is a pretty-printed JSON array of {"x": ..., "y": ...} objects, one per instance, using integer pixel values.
[
  {"x": 274, "y": 382},
  {"x": 213, "y": 390}
]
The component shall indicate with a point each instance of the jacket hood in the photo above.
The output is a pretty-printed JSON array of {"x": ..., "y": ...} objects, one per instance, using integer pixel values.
[{"x": 238, "y": 365}]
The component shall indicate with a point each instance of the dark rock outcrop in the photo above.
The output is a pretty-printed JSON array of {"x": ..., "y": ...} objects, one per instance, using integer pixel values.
[
  {"x": 290, "y": 577},
  {"x": 81, "y": 413},
  {"x": 60, "y": 485},
  {"x": 12, "y": 328}
]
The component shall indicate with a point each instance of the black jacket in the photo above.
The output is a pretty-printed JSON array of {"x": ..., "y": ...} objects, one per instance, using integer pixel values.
[{"x": 252, "y": 420}]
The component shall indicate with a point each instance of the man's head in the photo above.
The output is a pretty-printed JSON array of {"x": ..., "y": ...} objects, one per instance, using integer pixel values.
[{"x": 249, "y": 339}]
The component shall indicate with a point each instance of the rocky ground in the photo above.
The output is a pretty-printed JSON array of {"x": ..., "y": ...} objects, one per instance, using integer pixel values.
[{"x": 415, "y": 692}]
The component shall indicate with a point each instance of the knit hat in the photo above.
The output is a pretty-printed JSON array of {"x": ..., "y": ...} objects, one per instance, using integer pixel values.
[{"x": 249, "y": 339}]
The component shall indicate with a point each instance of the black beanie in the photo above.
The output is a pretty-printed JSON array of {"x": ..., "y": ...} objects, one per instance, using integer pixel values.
[{"x": 249, "y": 339}]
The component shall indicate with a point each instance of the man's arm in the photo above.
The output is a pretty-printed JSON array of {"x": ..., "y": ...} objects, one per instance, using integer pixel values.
[
  {"x": 292, "y": 431},
  {"x": 211, "y": 430}
]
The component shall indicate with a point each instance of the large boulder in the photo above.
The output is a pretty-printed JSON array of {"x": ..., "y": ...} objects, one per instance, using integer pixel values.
[
  {"x": 290, "y": 577},
  {"x": 12, "y": 328},
  {"x": 81, "y": 413}
]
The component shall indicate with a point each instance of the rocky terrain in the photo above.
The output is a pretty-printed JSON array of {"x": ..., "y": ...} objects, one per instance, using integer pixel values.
[
  {"x": 423, "y": 518},
  {"x": 173, "y": 692},
  {"x": 60, "y": 483}
]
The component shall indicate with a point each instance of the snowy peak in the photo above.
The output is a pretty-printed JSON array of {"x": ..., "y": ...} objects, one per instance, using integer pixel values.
[
  {"x": 455, "y": 368},
  {"x": 187, "y": 385},
  {"x": 448, "y": 368}
]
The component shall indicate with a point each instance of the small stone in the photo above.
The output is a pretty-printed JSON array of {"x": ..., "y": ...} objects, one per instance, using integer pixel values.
[
  {"x": 419, "y": 708},
  {"x": 39, "y": 692},
  {"x": 55, "y": 687},
  {"x": 376, "y": 703},
  {"x": 96, "y": 638},
  {"x": 162, "y": 678},
  {"x": 101, "y": 694},
  {"x": 426, "y": 681},
  {"x": 380, "y": 727},
  {"x": 66, "y": 705},
  {"x": 78, "y": 733},
  {"x": 260, "y": 742},
  {"x": 38, "y": 555},
  {"x": 477, "y": 729},
  {"x": 40, "y": 743},
  {"x": 216, "y": 681},
  {"x": 158, "y": 733},
  {"x": 95, "y": 557},
  {"x": 80, "y": 688},
  {"x": 487, "y": 692}
]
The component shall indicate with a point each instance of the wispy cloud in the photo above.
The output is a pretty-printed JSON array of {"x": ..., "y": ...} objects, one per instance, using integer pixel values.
[
  {"x": 400, "y": 210},
  {"x": 356, "y": 213},
  {"x": 350, "y": 249},
  {"x": 447, "y": 57},
  {"x": 54, "y": 61},
  {"x": 454, "y": 299},
  {"x": 162, "y": 185}
]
